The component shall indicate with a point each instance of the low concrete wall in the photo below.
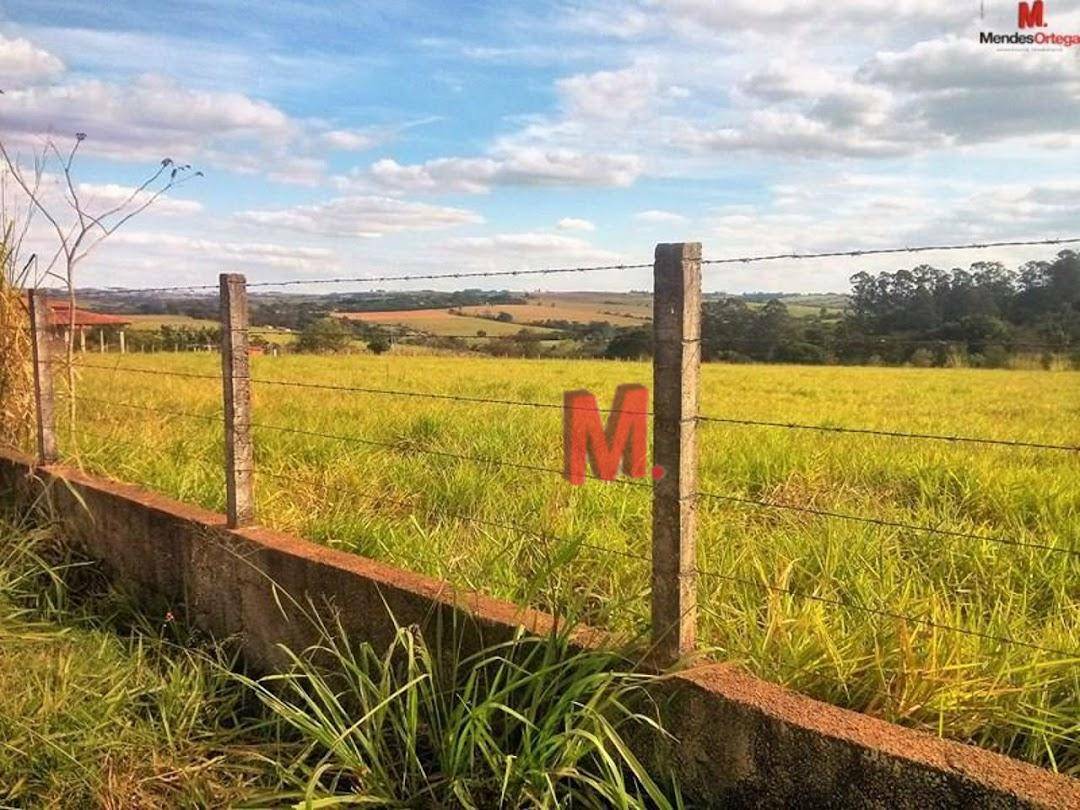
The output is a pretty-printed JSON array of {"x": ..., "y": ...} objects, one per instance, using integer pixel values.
[{"x": 739, "y": 741}]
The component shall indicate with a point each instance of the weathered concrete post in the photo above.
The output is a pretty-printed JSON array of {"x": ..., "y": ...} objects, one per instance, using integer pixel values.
[
  {"x": 101, "y": 339},
  {"x": 123, "y": 343},
  {"x": 236, "y": 385},
  {"x": 676, "y": 362},
  {"x": 43, "y": 382}
]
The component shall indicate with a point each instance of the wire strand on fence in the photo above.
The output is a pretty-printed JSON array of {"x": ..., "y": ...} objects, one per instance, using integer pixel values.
[
  {"x": 896, "y": 434},
  {"x": 830, "y": 254},
  {"x": 294, "y": 282},
  {"x": 216, "y": 418},
  {"x": 358, "y": 389},
  {"x": 486, "y": 460},
  {"x": 889, "y": 614},
  {"x": 706, "y": 573},
  {"x": 1018, "y": 443},
  {"x": 852, "y": 344},
  {"x": 396, "y": 447},
  {"x": 297, "y": 282},
  {"x": 890, "y": 524},
  {"x": 701, "y": 572}
]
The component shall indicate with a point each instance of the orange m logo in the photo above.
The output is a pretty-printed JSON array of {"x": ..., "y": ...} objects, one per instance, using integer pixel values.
[
  {"x": 1031, "y": 16},
  {"x": 622, "y": 443}
]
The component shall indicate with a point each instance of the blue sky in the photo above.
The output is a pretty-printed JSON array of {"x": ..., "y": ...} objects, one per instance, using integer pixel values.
[{"x": 366, "y": 138}]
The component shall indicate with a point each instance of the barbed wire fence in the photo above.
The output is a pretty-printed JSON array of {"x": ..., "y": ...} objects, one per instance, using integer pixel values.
[{"x": 675, "y": 496}]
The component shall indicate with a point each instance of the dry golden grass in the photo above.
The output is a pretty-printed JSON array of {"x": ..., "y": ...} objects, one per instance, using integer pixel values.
[
  {"x": 439, "y": 321},
  {"x": 16, "y": 378},
  {"x": 551, "y": 309}
]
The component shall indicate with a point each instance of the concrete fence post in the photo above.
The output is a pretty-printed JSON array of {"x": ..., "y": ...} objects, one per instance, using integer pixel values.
[
  {"x": 44, "y": 402},
  {"x": 236, "y": 386},
  {"x": 676, "y": 362}
]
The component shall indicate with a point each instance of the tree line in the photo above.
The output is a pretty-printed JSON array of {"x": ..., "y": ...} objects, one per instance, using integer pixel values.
[{"x": 982, "y": 316}]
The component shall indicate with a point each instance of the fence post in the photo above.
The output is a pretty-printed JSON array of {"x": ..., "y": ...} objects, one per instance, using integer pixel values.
[
  {"x": 43, "y": 382},
  {"x": 676, "y": 362},
  {"x": 236, "y": 385}
]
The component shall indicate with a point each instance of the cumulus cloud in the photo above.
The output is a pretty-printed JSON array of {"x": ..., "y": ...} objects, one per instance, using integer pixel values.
[
  {"x": 351, "y": 140},
  {"x": 937, "y": 93},
  {"x": 361, "y": 216},
  {"x": 146, "y": 120},
  {"x": 608, "y": 93},
  {"x": 22, "y": 63},
  {"x": 102, "y": 196},
  {"x": 968, "y": 92},
  {"x": 151, "y": 117},
  {"x": 141, "y": 257},
  {"x": 522, "y": 166},
  {"x": 528, "y": 249},
  {"x": 736, "y": 16},
  {"x": 261, "y": 253},
  {"x": 574, "y": 224},
  {"x": 655, "y": 216}
]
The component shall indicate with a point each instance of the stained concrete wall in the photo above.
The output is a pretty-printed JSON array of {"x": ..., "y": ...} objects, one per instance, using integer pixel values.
[{"x": 738, "y": 741}]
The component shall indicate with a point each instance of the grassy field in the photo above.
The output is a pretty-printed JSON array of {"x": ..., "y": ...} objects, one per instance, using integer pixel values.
[
  {"x": 561, "y": 310},
  {"x": 103, "y": 705},
  {"x": 439, "y": 322},
  {"x": 401, "y": 504},
  {"x": 153, "y": 322}
]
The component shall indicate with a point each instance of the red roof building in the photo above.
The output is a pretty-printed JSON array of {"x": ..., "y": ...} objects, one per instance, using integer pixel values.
[{"x": 60, "y": 316}]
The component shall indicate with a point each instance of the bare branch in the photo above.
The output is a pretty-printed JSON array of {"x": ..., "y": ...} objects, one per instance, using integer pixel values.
[{"x": 33, "y": 193}]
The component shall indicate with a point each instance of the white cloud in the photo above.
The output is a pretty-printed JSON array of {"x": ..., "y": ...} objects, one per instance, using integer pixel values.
[
  {"x": 657, "y": 217},
  {"x": 151, "y": 118},
  {"x": 736, "y": 16},
  {"x": 969, "y": 92},
  {"x": 140, "y": 257},
  {"x": 260, "y": 253},
  {"x": 361, "y": 216},
  {"x": 528, "y": 249},
  {"x": 297, "y": 170},
  {"x": 521, "y": 166},
  {"x": 575, "y": 224},
  {"x": 882, "y": 211},
  {"x": 351, "y": 140},
  {"x": 99, "y": 196},
  {"x": 614, "y": 94},
  {"x": 22, "y": 64}
]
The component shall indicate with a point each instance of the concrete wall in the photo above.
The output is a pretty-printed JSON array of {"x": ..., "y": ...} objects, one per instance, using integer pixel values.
[{"x": 739, "y": 741}]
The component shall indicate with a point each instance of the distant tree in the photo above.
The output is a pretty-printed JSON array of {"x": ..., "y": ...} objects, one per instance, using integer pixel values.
[
  {"x": 324, "y": 336},
  {"x": 379, "y": 344},
  {"x": 505, "y": 317},
  {"x": 922, "y": 358},
  {"x": 630, "y": 344}
]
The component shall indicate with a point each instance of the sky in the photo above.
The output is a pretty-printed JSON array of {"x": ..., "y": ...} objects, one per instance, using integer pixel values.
[{"x": 369, "y": 138}]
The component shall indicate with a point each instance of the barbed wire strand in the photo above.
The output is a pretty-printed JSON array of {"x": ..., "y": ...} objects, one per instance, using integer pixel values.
[
  {"x": 706, "y": 573},
  {"x": 595, "y": 268},
  {"x": 399, "y": 447},
  {"x": 896, "y": 434},
  {"x": 889, "y": 614},
  {"x": 890, "y": 524},
  {"x": 1017, "y": 443},
  {"x": 829, "y": 254}
]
